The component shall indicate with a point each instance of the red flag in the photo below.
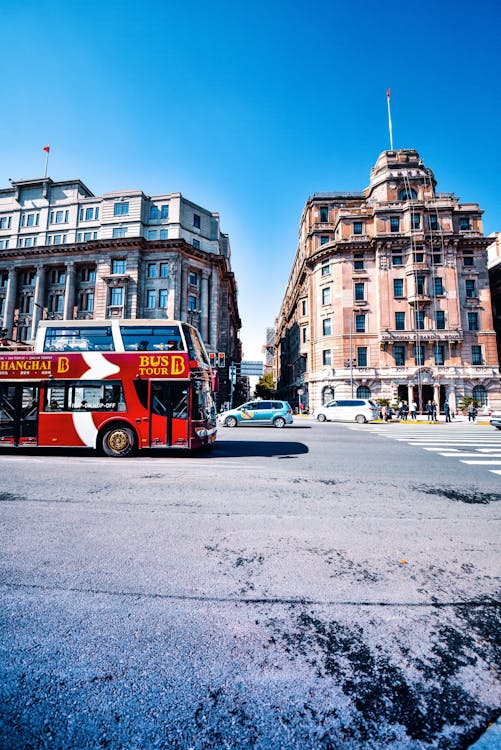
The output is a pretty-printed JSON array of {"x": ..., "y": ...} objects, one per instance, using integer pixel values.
[
  {"x": 388, "y": 93},
  {"x": 46, "y": 148}
]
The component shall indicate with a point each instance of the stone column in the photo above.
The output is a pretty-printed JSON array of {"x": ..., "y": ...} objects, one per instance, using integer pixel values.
[
  {"x": 69, "y": 292},
  {"x": 214, "y": 311},
  {"x": 183, "y": 292},
  {"x": 10, "y": 302},
  {"x": 204, "y": 306},
  {"x": 38, "y": 300},
  {"x": 410, "y": 394},
  {"x": 436, "y": 397}
]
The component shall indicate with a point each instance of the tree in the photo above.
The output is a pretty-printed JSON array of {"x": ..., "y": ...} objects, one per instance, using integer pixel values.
[{"x": 265, "y": 387}]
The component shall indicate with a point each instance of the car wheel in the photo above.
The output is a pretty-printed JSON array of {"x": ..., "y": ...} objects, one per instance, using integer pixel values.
[
  {"x": 231, "y": 422},
  {"x": 497, "y": 428},
  {"x": 279, "y": 422},
  {"x": 118, "y": 441},
  {"x": 360, "y": 419},
  {"x": 321, "y": 417}
]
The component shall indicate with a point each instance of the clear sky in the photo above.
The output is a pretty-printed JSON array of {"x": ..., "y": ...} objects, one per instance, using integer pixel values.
[{"x": 249, "y": 108}]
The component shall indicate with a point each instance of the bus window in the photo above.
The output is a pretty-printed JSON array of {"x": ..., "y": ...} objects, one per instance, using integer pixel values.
[
  {"x": 151, "y": 339},
  {"x": 85, "y": 396},
  {"x": 141, "y": 388},
  {"x": 78, "y": 339},
  {"x": 203, "y": 407},
  {"x": 196, "y": 349}
]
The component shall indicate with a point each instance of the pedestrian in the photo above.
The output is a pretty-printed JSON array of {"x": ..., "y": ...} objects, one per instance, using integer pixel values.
[
  {"x": 472, "y": 412},
  {"x": 447, "y": 411},
  {"x": 399, "y": 407},
  {"x": 434, "y": 410},
  {"x": 413, "y": 409},
  {"x": 429, "y": 411},
  {"x": 405, "y": 410}
]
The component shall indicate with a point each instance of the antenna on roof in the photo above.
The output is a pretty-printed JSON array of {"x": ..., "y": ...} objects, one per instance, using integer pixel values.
[{"x": 389, "y": 119}]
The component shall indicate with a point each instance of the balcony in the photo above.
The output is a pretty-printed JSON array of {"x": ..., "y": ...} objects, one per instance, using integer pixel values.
[{"x": 418, "y": 300}]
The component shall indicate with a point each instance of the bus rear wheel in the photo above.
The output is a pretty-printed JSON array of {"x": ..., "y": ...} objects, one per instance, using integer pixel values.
[{"x": 118, "y": 441}]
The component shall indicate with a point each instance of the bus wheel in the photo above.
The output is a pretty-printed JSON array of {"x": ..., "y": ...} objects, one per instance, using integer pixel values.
[{"x": 118, "y": 441}]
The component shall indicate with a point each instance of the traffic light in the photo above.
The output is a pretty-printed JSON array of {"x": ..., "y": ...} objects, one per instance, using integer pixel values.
[
  {"x": 212, "y": 359},
  {"x": 221, "y": 359}
]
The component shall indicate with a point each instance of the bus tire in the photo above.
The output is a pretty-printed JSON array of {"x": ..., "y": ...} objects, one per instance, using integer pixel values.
[{"x": 118, "y": 441}]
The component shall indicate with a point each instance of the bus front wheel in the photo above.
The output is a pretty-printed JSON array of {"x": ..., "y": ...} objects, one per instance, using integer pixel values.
[{"x": 118, "y": 441}]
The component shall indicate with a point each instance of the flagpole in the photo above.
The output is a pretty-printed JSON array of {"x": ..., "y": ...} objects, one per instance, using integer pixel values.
[
  {"x": 47, "y": 150},
  {"x": 389, "y": 119}
]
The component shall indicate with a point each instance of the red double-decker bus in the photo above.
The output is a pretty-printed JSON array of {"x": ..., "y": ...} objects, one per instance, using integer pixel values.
[{"x": 116, "y": 388}]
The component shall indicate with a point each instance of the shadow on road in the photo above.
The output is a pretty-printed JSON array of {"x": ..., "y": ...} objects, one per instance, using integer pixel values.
[{"x": 270, "y": 448}]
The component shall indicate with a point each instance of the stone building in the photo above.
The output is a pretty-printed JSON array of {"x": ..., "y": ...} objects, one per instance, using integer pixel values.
[
  {"x": 68, "y": 254},
  {"x": 388, "y": 296}
]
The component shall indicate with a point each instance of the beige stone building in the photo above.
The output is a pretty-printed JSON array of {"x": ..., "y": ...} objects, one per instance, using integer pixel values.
[
  {"x": 68, "y": 254},
  {"x": 388, "y": 296}
]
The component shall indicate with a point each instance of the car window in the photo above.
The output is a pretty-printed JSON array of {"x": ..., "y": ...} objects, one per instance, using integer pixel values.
[
  {"x": 277, "y": 405},
  {"x": 263, "y": 405}
]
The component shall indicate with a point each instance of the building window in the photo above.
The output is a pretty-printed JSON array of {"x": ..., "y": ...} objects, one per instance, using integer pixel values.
[
  {"x": 150, "y": 299},
  {"x": 154, "y": 212},
  {"x": 304, "y": 334},
  {"x": 324, "y": 214},
  {"x": 470, "y": 288},
  {"x": 361, "y": 356},
  {"x": 324, "y": 240},
  {"x": 359, "y": 291},
  {"x": 164, "y": 212},
  {"x": 121, "y": 209},
  {"x": 87, "y": 273},
  {"x": 327, "y": 357},
  {"x": 473, "y": 321},
  {"x": 433, "y": 222},
  {"x": 418, "y": 257},
  {"x": 476, "y": 355},
  {"x": 358, "y": 227},
  {"x": 192, "y": 302},
  {"x": 86, "y": 302},
  {"x": 327, "y": 394},
  {"x": 467, "y": 257},
  {"x": 436, "y": 259},
  {"x": 358, "y": 262},
  {"x": 438, "y": 286},
  {"x": 118, "y": 265},
  {"x": 325, "y": 269},
  {"x": 397, "y": 259},
  {"x": 419, "y": 318},
  {"x": 406, "y": 194},
  {"x": 4, "y": 279},
  {"x": 398, "y": 287},
  {"x": 480, "y": 395},
  {"x": 360, "y": 323},
  {"x": 117, "y": 295},
  {"x": 415, "y": 221},
  {"x": 164, "y": 234},
  {"x": 363, "y": 391},
  {"x": 464, "y": 223},
  {"x": 58, "y": 217},
  {"x": 438, "y": 353},
  {"x": 418, "y": 352},
  {"x": 196, "y": 221},
  {"x": 152, "y": 234},
  {"x": 162, "y": 298},
  {"x": 152, "y": 270},
  {"x": 57, "y": 276},
  {"x": 4, "y": 244},
  {"x": 5, "y": 222},
  {"x": 326, "y": 327},
  {"x": 164, "y": 270},
  {"x": 420, "y": 284},
  {"x": 28, "y": 278},
  {"x": 440, "y": 318},
  {"x": 30, "y": 220},
  {"x": 119, "y": 232},
  {"x": 303, "y": 307},
  {"x": 394, "y": 224},
  {"x": 193, "y": 278},
  {"x": 326, "y": 295},
  {"x": 399, "y": 354},
  {"x": 400, "y": 321}
]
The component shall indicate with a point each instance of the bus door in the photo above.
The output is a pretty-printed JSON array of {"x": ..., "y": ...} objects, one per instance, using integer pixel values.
[
  {"x": 169, "y": 409},
  {"x": 18, "y": 414}
]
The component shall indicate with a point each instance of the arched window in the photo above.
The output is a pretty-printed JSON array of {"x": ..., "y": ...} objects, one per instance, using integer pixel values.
[
  {"x": 480, "y": 395},
  {"x": 327, "y": 394},
  {"x": 406, "y": 194},
  {"x": 363, "y": 392}
]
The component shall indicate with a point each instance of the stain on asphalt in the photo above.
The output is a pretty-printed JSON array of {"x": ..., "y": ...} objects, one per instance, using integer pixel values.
[
  {"x": 8, "y": 497},
  {"x": 470, "y": 496}
]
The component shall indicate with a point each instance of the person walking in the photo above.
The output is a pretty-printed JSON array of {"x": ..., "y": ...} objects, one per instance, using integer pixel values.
[
  {"x": 429, "y": 411},
  {"x": 405, "y": 410},
  {"x": 413, "y": 409},
  {"x": 434, "y": 411},
  {"x": 472, "y": 412},
  {"x": 447, "y": 411}
]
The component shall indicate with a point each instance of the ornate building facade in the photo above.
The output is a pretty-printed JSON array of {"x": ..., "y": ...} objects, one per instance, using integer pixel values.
[
  {"x": 68, "y": 254},
  {"x": 388, "y": 296}
]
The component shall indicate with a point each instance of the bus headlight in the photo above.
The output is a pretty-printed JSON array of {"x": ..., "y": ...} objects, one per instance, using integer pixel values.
[{"x": 201, "y": 432}]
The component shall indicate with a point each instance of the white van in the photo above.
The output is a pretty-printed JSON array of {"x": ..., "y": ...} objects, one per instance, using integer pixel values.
[{"x": 348, "y": 410}]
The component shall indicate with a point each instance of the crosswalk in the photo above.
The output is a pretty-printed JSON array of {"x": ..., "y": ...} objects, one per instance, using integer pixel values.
[{"x": 471, "y": 444}]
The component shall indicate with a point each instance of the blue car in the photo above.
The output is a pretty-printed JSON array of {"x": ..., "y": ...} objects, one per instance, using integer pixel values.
[{"x": 276, "y": 413}]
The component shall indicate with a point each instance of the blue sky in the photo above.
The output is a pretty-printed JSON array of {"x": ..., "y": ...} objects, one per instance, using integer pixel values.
[{"x": 249, "y": 108}]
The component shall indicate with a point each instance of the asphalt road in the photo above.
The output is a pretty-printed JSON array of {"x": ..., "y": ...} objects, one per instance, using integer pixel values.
[{"x": 322, "y": 586}]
